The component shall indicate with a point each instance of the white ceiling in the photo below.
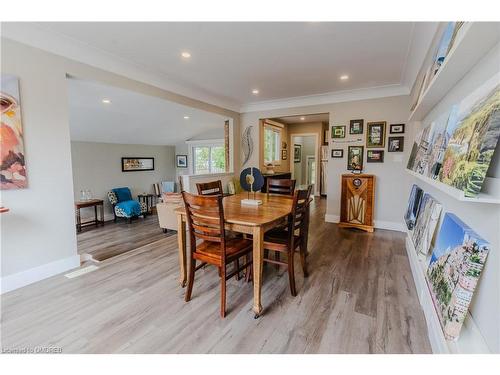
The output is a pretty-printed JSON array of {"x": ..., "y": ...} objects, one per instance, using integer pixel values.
[
  {"x": 133, "y": 118},
  {"x": 285, "y": 61}
]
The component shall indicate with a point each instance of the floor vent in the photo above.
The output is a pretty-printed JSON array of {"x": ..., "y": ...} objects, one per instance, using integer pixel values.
[{"x": 81, "y": 271}]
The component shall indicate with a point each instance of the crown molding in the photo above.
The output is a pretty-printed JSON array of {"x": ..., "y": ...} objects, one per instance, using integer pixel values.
[
  {"x": 328, "y": 98},
  {"x": 62, "y": 45}
]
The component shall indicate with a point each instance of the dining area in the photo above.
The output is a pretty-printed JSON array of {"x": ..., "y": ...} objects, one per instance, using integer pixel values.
[{"x": 239, "y": 239}]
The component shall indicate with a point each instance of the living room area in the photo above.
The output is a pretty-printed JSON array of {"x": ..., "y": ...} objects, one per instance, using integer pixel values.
[{"x": 128, "y": 165}]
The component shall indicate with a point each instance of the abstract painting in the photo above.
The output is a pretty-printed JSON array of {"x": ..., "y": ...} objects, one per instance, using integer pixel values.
[
  {"x": 13, "y": 168},
  {"x": 425, "y": 225},
  {"x": 453, "y": 273},
  {"x": 413, "y": 206},
  {"x": 474, "y": 129}
]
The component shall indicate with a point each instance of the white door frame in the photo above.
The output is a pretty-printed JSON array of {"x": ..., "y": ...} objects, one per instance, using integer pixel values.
[{"x": 316, "y": 147}]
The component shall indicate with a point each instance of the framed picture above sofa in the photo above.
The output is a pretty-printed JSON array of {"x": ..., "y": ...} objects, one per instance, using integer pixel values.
[{"x": 131, "y": 164}]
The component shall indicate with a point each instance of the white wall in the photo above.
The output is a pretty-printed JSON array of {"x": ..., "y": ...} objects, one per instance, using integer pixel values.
[
  {"x": 39, "y": 229},
  {"x": 97, "y": 166},
  {"x": 483, "y": 218},
  {"x": 392, "y": 179}
]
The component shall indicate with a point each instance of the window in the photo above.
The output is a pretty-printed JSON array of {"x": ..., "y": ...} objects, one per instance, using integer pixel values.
[
  {"x": 209, "y": 159},
  {"x": 272, "y": 144}
]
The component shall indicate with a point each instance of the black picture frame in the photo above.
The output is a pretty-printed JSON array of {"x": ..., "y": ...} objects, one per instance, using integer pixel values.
[
  {"x": 137, "y": 164},
  {"x": 297, "y": 153},
  {"x": 371, "y": 159},
  {"x": 181, "y": 161},
  {"x": 341, "y": 129},
  {"x": 353, "y": 151},
  {"x": 352, "y": 126},
  {"x": 337, "y": 150},
  {"x": 393, "y": 129},
  {"x": 395, "y": 144},
  {"x": 374, "y": 131}
]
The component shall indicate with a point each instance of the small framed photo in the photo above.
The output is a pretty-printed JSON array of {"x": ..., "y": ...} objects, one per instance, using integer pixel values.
[
  {"x": 338, "y": 131},
  {"x": 283, "y": 145},
  {"x": 355, "y": 158},
  {"x": 375, "y": 156},
  {"x": 337, "y": 153},
  {"x": 375, "y": 135},
  {"x": 396, "y": 144},
  {"x": 181, "y": 161},
  {"x": 397, "y": 129},
  {"x": 297, "y": 153},
  {"x": 283, "y": 155},
  {"x": 356, "y": 126}
]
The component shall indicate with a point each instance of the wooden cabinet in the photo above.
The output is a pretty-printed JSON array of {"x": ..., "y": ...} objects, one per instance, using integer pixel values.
[
  {"x": 357, "y": 201},
  {"x": 278, "y": 175}
]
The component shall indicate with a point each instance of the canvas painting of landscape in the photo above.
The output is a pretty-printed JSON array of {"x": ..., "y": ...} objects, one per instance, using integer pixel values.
[
  {"x": 474, "y": 130},
  {"x": 456, "y": 264},
  {"x": 425, "y": 225},
  {"x": 13, "y": 169}
]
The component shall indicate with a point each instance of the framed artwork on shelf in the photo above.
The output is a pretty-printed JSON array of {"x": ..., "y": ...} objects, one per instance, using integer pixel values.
[
  {"x": 375, "y": 135},
  {"x": 375, "y": 156},
  {"x": 283, "y": 155},
  {"x": 337, "y": 153},
  {"x": 130, "y": 164},
  {"x": 297, "y": 153},
  {"x": 396, "y": 144},
  {"x": 356, "y": 126},
  {"x": 338, "y": 131},
  {"x": 181, "y": 161},
  {"x": 397, "y": 129},
  {"x": 355, "y": 158}
]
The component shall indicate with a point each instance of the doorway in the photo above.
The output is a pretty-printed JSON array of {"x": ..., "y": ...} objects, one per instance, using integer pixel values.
[{"x": 304, "y": 163}]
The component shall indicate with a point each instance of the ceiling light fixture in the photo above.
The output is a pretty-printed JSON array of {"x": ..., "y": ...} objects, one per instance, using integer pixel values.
[
  {"x": 255, "y": 91},
  {"x": 186, "y": 55},
  {"x": 344, "y": 77},
  {"x": 186, "y": 117},
  {"x": 302, "y": 118},
  {"x": 106, "y": 101}
]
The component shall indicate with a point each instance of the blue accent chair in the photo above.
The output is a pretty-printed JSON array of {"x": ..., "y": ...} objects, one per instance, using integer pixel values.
[{"x": 124, "y": 206}]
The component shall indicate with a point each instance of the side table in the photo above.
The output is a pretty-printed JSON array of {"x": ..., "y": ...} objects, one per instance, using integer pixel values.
[
  {"x": 89, "y": 203},
  {"x": 149, "y": 199}
]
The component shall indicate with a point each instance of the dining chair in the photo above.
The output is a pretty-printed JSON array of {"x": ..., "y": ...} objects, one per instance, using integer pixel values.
[
  {"x": 210, "y": 188},
  {"x": 286, "y": 240},
  {"x": 205, "y": 218},
  {"x": 280, "y": 186}
]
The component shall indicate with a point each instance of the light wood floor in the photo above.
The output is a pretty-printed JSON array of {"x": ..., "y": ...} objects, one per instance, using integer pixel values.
[
  {"x": 359, "y": 298},
  {"x": 115, "y": 238}
]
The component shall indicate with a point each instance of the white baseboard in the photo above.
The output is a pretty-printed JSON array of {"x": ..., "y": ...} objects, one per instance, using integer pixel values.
[
  {"x": 380, "y": 224},
  {"x": 332, "y": 218},
  {"x": 32, "y": 275}
]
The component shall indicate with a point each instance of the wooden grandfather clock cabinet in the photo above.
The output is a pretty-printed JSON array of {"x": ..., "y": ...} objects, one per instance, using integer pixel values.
[{"x": 357, "y": 201}]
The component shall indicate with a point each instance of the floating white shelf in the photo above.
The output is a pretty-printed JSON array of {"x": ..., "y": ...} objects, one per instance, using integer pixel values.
[
  {"x": 473, "y": 42},
  {"x": 490, "y": 192},
  {"x": 470, "y": 341}
]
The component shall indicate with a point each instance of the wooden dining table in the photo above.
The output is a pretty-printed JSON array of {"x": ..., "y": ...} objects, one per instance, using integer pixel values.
[{"x": 254, "y": 220}]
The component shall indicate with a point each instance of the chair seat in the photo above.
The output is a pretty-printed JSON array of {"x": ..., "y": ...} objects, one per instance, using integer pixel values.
[
  {"x": 277, "y": 239},
  {"x": 210, "y": 252}
]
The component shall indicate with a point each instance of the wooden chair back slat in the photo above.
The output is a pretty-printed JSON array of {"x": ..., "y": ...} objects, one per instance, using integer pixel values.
[
  {"x": 299, "y": 210},
  {"x": 205, "y": 218},
  {"x": 280, "y": 186},
  {"x": 210, "y": 188}
]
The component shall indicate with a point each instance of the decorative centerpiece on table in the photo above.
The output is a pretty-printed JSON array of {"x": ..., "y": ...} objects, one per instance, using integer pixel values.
[
  {"x": 251, "y": 180},
  {"x": 269, "y": 168}
]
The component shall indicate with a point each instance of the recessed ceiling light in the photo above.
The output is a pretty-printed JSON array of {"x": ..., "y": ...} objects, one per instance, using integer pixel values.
[
  {"x": 302, "y": 118},
  {"x": 106, "y": 101},
  {"x": 344, "y": 77},
  {"x": 186, "y": 117},
  {"x": 255, "y": 91},
  {"x": 186, "y": 55}
]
